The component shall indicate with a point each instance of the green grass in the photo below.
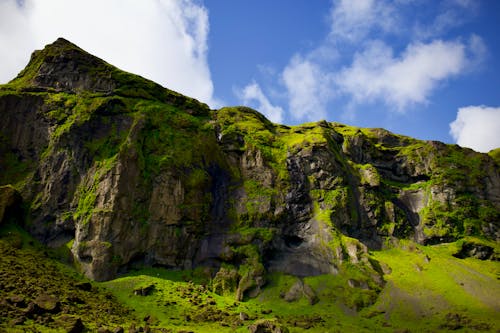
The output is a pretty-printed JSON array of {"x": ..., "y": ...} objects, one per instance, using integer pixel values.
[
  {"x": 495, "y": 155},
  {"x": 427, "y": 283},
  {"x": 176, "y": 302},
  {"x": 427, "y": 288}
]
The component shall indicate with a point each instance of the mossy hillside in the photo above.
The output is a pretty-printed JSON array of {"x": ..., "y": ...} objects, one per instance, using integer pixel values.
[
  {"x": 97, "y": 132},
  {"x": 153, "y": 131},
  {"x": 429, "y": 289},
  {"x": 30, "y": 275},
  {"x": 180, "y": 301},
  {"x": 495, "y": 154},
  {"x": 249, "y": 129},
  {"x": 67, "y": 108},
  {"x": 159, "y": 141},
  {"x": 441, "y": 163},
  {"x": 183, "y": 300},
  {"x": 331, "y": 206},
  {"x": 467, "y": 213},
  {"x": 100, "y": 73},
  {"x": 426, "y": 285},
  {"x": 166, "y": 134},
  {"x": 435, "y": 167},
  {"x": 241, "y": 130}
]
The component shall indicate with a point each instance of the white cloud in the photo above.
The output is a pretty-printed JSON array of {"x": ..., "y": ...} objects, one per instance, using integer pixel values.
[
  {"x": 15, "y": 39},
  {"x": 477, "y": 127},
  {"x": 163, "y": 40},
  {"x": 308, "y": 89},
  {"x": 252, "y": 92},
  {"x": 352, "y": 20},
  {"x": 478, "y": 52},
  {"x": 376, "y": 74}
]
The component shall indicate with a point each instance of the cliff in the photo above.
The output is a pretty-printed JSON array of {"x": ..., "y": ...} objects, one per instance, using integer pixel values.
[{"x": 130, "y": 173}]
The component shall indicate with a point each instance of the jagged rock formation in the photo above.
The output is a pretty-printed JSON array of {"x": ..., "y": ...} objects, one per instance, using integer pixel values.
[{"x": 133, "y": 173}]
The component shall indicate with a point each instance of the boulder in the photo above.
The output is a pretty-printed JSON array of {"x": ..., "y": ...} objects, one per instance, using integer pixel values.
[
  {"x": 144, "y": 290},
  {"x": 267, "y": 326},
  {"x": 48, "y": 303},
  {"x": 10, "y": 205},
  {"x": 70, "y": 324}
]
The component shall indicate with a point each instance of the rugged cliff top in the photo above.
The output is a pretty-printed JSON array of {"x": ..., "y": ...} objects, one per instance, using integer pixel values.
[{"x": 64, "y": 67}]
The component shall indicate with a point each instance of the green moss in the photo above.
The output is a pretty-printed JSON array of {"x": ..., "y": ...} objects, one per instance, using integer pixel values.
[
  {"x": 347, "y": 131},
  {"x": 258, "y": 198},
  {"x": 417, "y": 297},
  {"x": 458, "y": 166},
  {"x": 302, "y": 136},
  {"x": 465, "y": 215},
  {"x": 428, "y": 282},
  {"x": 495, "y": 154},
  {"x": 249, "y": 234},
  {"x": 168, "y": 138},
  {"x": 86, "y": 193},
  {"x": 417, "y": 152}
]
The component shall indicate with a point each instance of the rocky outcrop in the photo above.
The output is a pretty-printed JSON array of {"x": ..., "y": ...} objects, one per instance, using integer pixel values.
[
  {"x": 135, "y": 174},
  {"x": 478, "y": 250},
  {"x": 267, "y": 326},
  {"x": 11, "y": 210}
]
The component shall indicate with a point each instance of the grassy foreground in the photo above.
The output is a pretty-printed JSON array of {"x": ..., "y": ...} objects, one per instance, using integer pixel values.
[{"x": 427, "y": 290}]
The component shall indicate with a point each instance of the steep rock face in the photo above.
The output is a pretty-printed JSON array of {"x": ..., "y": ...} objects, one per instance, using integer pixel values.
[
  {"x": 135, "y": 174},
  {"x": 430, "y": 178}
]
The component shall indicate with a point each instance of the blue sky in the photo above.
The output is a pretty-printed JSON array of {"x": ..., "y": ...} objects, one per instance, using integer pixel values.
[{"x": 423, "y": 68}]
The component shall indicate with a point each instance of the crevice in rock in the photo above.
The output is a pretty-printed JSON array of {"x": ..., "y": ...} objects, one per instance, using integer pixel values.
[{"x": 293, "y": 241}]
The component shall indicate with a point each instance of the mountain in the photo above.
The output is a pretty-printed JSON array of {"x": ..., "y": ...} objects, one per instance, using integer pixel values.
[{"x": 128, "y": 174}]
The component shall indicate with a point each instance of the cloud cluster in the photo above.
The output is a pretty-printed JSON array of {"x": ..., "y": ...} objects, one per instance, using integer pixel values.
[
  {"x": 352, "y": 20},
  {"x": 355, "y": 65},
  {"x": 407, "y": 79},
  {"x": 307, "y": 88},
  {"x": 477, "y": 127},
  {"x": 162, "y": 40}
]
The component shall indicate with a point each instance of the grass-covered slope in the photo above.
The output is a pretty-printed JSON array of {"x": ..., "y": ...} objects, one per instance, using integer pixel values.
[{"x": 428, "y": 290}]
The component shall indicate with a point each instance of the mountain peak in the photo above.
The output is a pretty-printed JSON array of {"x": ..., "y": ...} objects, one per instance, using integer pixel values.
[
  {"x": 63, "y": 66},
  {"x": 61, "y": 44}
]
